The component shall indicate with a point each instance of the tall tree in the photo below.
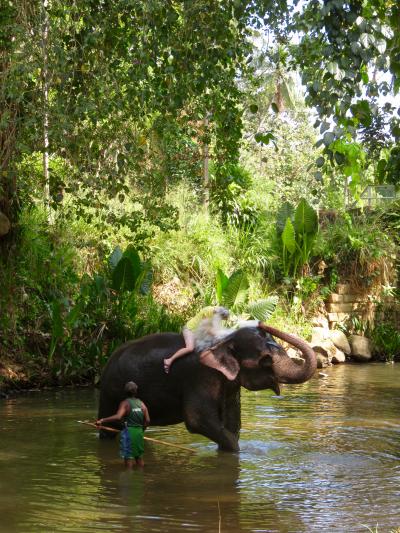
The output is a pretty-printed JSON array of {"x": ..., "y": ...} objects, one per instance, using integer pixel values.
[{"x": 349, "y": 55}]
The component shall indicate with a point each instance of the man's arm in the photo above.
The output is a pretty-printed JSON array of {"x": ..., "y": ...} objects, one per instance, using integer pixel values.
[
  {"x": 123, "y": 410},
  {"x": 146, "y": 421}
]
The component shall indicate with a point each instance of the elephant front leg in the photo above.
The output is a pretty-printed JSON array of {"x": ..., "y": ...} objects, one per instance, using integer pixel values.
[
  {"x": 207, "y": 423},
  {"x": 231, "y": 412}
]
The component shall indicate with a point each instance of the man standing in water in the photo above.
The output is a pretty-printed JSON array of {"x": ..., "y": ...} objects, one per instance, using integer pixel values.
[{"x": 135, "y": 416}]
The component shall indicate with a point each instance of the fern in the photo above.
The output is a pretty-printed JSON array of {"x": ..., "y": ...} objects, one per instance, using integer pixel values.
[{"x": 262, "y": 309}]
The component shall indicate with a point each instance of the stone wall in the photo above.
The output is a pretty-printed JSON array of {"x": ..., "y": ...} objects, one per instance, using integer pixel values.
[{"x": 349, "y": 301}]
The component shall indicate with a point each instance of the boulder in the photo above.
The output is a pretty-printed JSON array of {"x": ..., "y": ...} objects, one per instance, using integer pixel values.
[
  {"x": 5, "y": 224},
  {"x": 360, "y": 348},
  {"x": 322, "y": 361},
  {"x": 338, "y": 357},
  {"x": 320, "y": 321},
  {"x": 295, "y": 355},
  {"x": 326, "y": 347},
  {"x": 319, "y": 334},
  {"x": 328, "y": 350},
  {"x": 339, "y": 339}
]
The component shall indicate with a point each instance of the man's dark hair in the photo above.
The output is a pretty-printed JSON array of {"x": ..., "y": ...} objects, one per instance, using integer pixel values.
[{"x": 131, "y": 389}]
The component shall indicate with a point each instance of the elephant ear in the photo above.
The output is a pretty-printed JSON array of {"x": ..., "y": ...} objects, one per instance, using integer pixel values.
[{"x": 219, "y": 358}]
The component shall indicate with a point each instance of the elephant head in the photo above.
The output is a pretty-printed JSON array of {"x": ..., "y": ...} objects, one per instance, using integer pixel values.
[{"x": 251, "y": 355}]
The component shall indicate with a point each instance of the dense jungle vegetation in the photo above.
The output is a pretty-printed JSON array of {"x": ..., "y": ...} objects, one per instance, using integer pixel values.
[{"x": 160, "y": 155}]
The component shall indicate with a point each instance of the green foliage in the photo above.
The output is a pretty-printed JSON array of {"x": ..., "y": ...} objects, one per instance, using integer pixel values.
[
  {"x": 285, "y": 170},
  {"x": 356, "y": 247},
  {"x": 137, "y": 93},
  {"x": 197, "y": 248},
  {"x": 350, "y": 158},
  {"x": 256, "y": 247},
  {"x": 124, "y": 81},
  {"x": 386, "y": 339},
  {"x": 262, "y": 309},
  {"x": 229, "y": 195},
  {"x": 57, "y": 329},
  {"x": 60, "y": 324},
  {"x": 129, "y": 271},
  {"x": 233, "y": 290},
  {"x": 233, "y": 293},
  {"x": 390, "y": 217},
  {"x": 338, "y": 50},
  {"x": 287, "y": 318},
  {"x": 286, "y": 211},
  {"x": 356, "y": 325},
  {"x": 297, "y": 236},
  {"x": 221, "y": 282},
  {"x": 111, "y": 307}
]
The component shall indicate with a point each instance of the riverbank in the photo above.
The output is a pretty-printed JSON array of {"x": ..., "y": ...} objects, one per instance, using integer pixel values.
[{"x": 21, "y": 377}]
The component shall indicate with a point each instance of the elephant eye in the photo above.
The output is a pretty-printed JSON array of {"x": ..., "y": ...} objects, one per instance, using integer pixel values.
[
  {"x": 271, "y": 342},
  {"x": 265, "y": 361}
]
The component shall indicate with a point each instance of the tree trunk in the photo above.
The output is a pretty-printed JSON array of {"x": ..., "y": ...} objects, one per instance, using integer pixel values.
[
  {"x": 45, "y": 95},
  {"x": 206, "y": 175}
]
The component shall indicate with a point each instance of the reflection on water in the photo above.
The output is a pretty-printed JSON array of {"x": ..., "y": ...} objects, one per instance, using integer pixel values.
[{"x": 325, "y": 456}]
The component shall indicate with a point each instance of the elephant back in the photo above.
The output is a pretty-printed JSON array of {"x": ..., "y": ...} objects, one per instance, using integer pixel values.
[{"x": 147, "y": 346}]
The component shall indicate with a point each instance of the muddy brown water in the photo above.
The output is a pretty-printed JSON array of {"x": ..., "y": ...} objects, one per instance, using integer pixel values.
[{"x": 325, "y": 456}]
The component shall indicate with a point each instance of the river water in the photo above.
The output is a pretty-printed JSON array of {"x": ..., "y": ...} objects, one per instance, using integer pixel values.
[{"x": 325, "y": 456}]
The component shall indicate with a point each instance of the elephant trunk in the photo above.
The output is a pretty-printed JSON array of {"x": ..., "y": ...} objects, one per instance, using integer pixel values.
[{"x": 285, "y": 369}]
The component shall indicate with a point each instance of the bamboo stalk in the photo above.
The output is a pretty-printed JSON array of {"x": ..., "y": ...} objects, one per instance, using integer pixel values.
[{"x": 107, "y": 428}]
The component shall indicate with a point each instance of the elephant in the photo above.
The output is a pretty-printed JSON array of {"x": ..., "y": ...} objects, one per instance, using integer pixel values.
[{"x": 203, "y": 391}]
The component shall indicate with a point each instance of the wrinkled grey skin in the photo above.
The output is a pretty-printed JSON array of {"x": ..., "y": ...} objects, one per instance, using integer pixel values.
[{"x": 198, "y": 392}]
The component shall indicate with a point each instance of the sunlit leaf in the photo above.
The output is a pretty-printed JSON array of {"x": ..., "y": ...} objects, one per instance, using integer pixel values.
[
  {"x": 262, "y": 309},
  {"x": 305, "y": 218},
  {"x": 285, "y": 211},
  {"x": 289, "y": 237},
  {"x": 236, "y": 290},
  {"x": 220, "y": 284}
]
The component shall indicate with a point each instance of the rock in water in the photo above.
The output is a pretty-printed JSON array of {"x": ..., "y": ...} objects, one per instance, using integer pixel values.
[{"x": 360, "y": 348}]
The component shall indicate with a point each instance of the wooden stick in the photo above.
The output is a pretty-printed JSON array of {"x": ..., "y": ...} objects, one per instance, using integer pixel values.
[
  {"x": 107, "y": 428},
  {"x": 98, "y": 426},
  {"x": 170, "y": 444}
]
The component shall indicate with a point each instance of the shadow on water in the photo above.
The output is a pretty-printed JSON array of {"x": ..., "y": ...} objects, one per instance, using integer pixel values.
[{"x": 325, "y": 456}]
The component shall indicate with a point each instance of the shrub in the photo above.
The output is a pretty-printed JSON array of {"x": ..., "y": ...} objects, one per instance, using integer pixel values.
[
  {"x": 386, "y": 339},
  {"x": 356, "y": 248},
  {"x": 297, "y": 229}
]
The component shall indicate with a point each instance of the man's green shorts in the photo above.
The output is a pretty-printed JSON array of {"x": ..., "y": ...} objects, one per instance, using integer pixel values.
[{"x": 131, "y": 444}]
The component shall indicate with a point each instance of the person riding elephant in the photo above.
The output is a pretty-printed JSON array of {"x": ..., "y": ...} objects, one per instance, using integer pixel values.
[
  {"x": 203, "y": 392},
  {"x": 200, "y": 330}
]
